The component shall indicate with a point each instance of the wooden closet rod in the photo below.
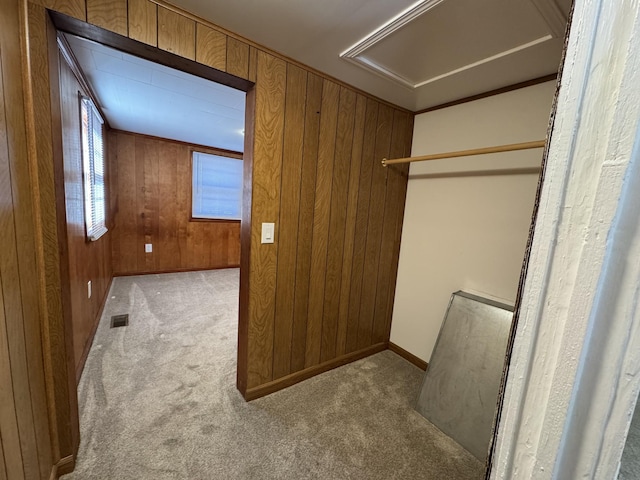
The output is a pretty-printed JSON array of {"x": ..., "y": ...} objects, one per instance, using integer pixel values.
[{"x": 466, "y": 153}]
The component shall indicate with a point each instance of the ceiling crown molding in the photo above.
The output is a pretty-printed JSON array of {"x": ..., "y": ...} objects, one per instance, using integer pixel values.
[
  {"x": 391, "y": 26},
  {"x": 552, "y": 15}
]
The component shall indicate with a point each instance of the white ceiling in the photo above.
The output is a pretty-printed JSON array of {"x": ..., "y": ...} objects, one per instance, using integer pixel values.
[
  {"x": 143, "y": 97},
  {"x": 413, "y": 54}
]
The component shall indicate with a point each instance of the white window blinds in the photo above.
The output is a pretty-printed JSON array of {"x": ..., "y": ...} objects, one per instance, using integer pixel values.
[
  {"x": 217, "y": 187},
  {"x": 93, "y": 170}
]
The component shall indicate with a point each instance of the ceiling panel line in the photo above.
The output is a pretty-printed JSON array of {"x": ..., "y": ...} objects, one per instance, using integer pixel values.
[{"x": 511, "y": 51}]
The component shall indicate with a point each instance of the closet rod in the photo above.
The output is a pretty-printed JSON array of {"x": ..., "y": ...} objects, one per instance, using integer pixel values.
[{"x": 466, "y": 153}]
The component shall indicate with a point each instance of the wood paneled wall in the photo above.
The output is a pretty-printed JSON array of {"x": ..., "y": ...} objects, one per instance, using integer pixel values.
[
  {"x": 88, "y": 261},
  {"x": 25, "y": 443},
  {"x": 322, "y": 294},
  {"x": 153, "y": 205}
]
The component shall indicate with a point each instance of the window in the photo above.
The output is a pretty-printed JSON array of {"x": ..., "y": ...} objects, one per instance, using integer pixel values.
[
  {"x": 217, "y": 187},
  {"x": 93, "y": 170}
]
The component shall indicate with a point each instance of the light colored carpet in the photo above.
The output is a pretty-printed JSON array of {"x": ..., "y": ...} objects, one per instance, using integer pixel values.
[
  {"x": 630, "y": 464},
  {"x": 158, "y": 401}
]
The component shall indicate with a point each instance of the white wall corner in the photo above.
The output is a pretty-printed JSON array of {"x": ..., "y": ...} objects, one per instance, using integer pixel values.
[{"x": 573, "y": 379}]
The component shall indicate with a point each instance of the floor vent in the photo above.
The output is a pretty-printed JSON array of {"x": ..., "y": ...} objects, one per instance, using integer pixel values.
[{"x": 120, "y": 320}]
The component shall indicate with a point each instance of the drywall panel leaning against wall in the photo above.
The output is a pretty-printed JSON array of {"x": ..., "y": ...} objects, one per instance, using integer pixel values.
[{"x": 467, "y": 219}]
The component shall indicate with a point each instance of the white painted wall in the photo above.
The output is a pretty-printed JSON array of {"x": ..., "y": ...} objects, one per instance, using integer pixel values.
[{"x": 467, "y": 219}]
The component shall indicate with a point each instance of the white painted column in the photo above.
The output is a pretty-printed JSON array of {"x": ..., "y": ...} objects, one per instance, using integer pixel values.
[{"x": 573, "y": 379}]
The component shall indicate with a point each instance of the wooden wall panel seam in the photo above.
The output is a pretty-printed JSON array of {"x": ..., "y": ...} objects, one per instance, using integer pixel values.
[{"x": 322, "y": 210}]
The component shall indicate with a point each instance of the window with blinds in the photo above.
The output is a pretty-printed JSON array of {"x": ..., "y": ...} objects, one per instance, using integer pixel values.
[
  {"x": 216, "y": 187},
  {"x": 93, "y": 170}
]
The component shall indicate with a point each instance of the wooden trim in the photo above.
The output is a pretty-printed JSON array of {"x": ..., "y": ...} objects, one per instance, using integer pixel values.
[
  {"x": 62, "y": 467},
  {"x": 292, "y": 379},
  {"x": 175, "y": 270},
  {"x": 96, "y": 322},
  {"x": 223, "y": 152},
  {"x": 242, "y": 369},
  {"x": 408, "y": 356},
  {"x": 78, "y": 27},
  {"x": 76, "y": 69},
  {"x": 214, "y": 220},
  {"x": 490, "y": 93},
  {"x": 274, "y": 53}
]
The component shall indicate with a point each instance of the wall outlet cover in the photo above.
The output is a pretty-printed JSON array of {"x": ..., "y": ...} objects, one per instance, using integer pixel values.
[{"x": 148, "y": 248}]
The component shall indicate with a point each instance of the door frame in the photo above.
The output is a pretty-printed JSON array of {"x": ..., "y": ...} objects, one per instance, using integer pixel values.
[
  {"x": 572, "y": 381},
  {"x": 45, "y": 152}
]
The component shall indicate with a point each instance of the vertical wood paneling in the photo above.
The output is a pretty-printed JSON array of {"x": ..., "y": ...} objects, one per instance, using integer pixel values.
[
  {"x": 362, "y": 220},
  {"x": 88, "y": 261},
  {"x": 48, "y": 193},
  {"x": 143, "y": 21},
  {"x": 289, "y": 210},
  {"x": 3, "y": 466},
  {"x": 339, "y": 191},
  {"x": 176, "y": 33},
  {"x": 108, "y": 14},
  {"x": 386, "y": 280},
  {"x": 125, "y": 234},
  {"x": 321, "y": 217},
  {"x": 374, "y": 227},
  {"x": 154, "y": 206},
  {"x": 305, "y": 220},
  {"x": 73, "y": 8},
  {"x": 350, "y": 223},
  {"x": 267, "y": 162},
  {"x": 237, "y": 58},
  {"x": 8, "y": 407},
  {"x": 325, "y": 287},
  {"x": 26, "y": 448},
  {"x": 211, "y": 47}
]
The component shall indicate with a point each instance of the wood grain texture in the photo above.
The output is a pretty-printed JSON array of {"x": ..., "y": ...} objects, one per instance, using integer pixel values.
[
  {"x": 108, "y": 14},
  {"x": 88, "y": 261},
  {"x": 267, "y": 163},
  {"x": 211, "y": 47},
  {"x": 153, "y": 189},
  {"x": 242, "y": 370},
  {"x": 289, "y": 215},
  {"x": 26, "y": 448},
  {"x": 362, "y": 219},
  {"x": 321, "y": 218},
  {"x": 176, "y": 34},
  {"x": 47, "y": 177},
  {"x": 237, "y": 58},
  {"x": 308, "y": 174},
  {"x": 350, "y": 223},
  {"x": 386, "y": 279},
  {"x": 327, "y": 265},
  {"x": 143, "y": 21},
  {"x": 73, "y": 8},
  {"x": 374, "y": 227},
  {"x": 339, "y": 191}
]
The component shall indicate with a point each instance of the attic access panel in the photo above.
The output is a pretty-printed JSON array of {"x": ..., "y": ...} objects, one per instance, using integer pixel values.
[{"x": 459, "y": 393}]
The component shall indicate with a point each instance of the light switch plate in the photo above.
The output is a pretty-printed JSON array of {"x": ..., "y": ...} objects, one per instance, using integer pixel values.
[
  {"x": 268, "y": 232},
  {"x": 148, "y": 248}
]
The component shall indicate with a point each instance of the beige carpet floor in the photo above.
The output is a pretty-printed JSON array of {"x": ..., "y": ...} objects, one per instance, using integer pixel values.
[{"x": 158, "y": 401}]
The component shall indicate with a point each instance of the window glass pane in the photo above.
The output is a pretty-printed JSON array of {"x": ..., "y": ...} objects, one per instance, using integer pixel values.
[
  {"x": 93, "y": 164},
  {"x": 217, "y": 187}
]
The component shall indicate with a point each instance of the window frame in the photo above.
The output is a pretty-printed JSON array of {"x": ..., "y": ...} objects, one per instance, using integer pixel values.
[
  {"x": 220, "y": 153},
  {"x": 92, "y": 232}
]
